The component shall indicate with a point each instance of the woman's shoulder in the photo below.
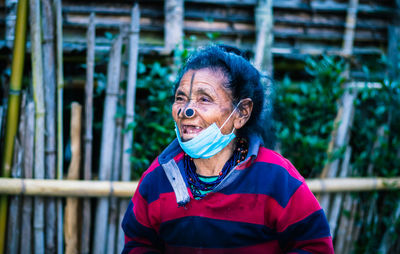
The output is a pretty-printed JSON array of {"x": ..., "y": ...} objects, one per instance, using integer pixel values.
[
  {"x": 274, "y": 158},
  {"x": 172, "y": 151}
]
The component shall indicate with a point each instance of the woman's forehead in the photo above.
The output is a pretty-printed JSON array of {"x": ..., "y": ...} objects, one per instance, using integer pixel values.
[{"x": 203, "y": 80}]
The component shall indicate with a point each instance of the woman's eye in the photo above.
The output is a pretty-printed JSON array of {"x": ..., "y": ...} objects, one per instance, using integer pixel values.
[
  {"x": 179, "y": 98},
  {"x": 205, "y": 99}
]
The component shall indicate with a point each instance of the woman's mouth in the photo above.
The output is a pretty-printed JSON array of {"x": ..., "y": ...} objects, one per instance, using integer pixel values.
[{"x": 191, "y": 129}]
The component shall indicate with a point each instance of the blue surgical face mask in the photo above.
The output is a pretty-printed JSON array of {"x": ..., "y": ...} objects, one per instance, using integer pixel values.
[{"x": 208, "y": 143}]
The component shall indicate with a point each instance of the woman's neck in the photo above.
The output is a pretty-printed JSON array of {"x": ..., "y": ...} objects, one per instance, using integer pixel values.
[{"x": 212, "y": 166}]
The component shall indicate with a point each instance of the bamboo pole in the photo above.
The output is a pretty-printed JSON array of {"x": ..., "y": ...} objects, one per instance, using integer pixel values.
[
  {"x": 113, "y": 216},
  {"x": 14, "y": 223},
  {"x": 1, "y": 120},
  {"x": 351, "y": 21},
  {"x": 350, "y": 227},
  {"x": 50, "y": 101},
  {"x": 129, "y": 112},
  {"x": 81, "y": 188},
  {"x": 357, "y": 227},
  {"x": 26, "y": 230},
  {"x": 343, "y": 135},
  {"x": 10, "y": 21},
  {"x": 390, "y": 236},
  {"x": 38, "y": 95},
  {"x": 71, "y": 207},
  {"x": 15, "y": 202},
  {"x": 263, "y": 59},
  {"x": 90, "y": 58},
  {"x": 107, "y": 145},
  {"x": 173, "y": 26},
  {"x": 340, "y": 139},
  {"x": 342, "y": 228},
  {"x": 60, "y": 142},
  {"x": 337, "y": 201},
  {"x": 13, "y": 107}
]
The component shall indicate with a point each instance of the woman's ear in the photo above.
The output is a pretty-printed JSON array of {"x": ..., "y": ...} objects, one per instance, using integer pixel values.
[{"x": 244, "y": 112}]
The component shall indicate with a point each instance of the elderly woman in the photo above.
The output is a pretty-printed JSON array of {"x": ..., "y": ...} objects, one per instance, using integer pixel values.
[{"x": 216, "y": 188}]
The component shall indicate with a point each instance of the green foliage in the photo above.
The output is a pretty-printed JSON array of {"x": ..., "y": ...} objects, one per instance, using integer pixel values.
[
  {"x": 376, "y": 152},
  {"x": 305, "y": 112},
  {"x": 153, "y": 127}
]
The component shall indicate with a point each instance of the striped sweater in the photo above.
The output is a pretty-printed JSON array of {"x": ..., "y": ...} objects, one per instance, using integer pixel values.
[{"x": 262, "y": 206}]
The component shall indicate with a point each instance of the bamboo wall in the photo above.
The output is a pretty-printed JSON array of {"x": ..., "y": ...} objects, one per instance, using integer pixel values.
[{"x": 300, "y": 28}]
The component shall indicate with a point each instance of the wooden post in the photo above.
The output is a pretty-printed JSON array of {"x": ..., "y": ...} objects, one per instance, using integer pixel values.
[
  {"x": 13, "y": 107},
  {"x": 60, "y": 141},
  {"x": 90, "y": 58},
  {"x": 26, "y": 229},
  {"x": 38, "y": 95},
  {"x": 173, "y": 26},
  {"x": 71, "y": 208},
  {"x": 50, "y": 95},
  {"x": 130, "y": 112},
  {"x": 263, "y": 59},
  {"x": 107, "y": 145}
]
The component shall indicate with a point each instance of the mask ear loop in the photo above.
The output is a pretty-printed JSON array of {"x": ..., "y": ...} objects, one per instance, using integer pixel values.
[{"x": 230, "y": 116}]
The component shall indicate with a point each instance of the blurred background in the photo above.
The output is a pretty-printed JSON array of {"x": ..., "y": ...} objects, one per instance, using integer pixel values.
[{"x": 86, "y": 93}]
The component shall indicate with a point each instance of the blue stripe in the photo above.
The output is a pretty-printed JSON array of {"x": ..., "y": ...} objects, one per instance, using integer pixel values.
[
  {"x": 132, "y": 245},
  {"x": 265, "y": 178},
  {"x": 153, "y": 184},
  {"x": 200, "y": 232},
  {"x": 300, "y": 251},
  {"x": 133, "y": 229},
  {"x": 315, "y": 226}
]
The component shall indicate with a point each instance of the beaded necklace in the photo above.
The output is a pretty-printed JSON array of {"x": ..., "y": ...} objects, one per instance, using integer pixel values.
[{"x": 201, "y": 188}]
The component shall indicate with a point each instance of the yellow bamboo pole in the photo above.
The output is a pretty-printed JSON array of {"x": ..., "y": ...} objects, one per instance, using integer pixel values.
[
  {"x": 13, "y": 106},
  {"x": 81, "y": 188},
  {"x": 71, "y": 207}
]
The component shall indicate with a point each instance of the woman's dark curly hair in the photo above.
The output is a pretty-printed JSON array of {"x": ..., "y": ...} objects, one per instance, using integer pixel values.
[{"x": 243, "y": 80}]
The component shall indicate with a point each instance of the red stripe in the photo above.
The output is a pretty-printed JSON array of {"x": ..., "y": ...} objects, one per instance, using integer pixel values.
[
  {"x": 140, "y": 209},
  {"x": 248, "y": 208},
  {"x": 320, "y": 245},
  {"x": 179, "y": 157},
  {"x": 300, "y": 206},
  {"x": 269, "y": 156},
  {"x": 269, "y": 247}
]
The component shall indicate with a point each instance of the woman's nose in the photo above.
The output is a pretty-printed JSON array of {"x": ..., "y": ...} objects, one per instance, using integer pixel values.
[{"x": 189, "y": 112}]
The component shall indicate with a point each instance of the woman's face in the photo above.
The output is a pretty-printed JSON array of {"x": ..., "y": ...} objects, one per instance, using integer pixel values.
[{"x": 203, "y": 91}]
